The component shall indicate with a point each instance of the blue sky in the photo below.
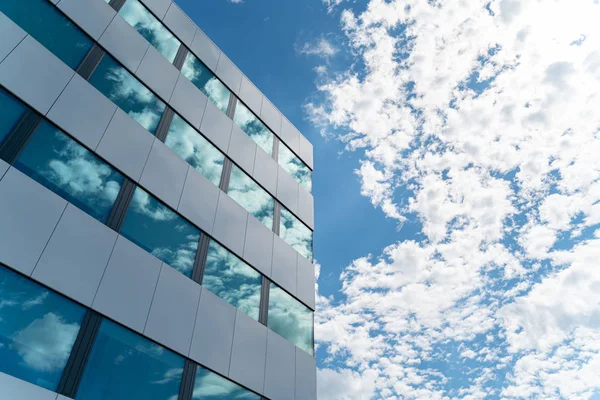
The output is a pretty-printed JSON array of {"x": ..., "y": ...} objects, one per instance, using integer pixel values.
[{"x": 457, "y": 186}]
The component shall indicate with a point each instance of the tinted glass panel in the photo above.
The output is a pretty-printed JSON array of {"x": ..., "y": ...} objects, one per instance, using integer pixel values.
[
  {"x": 248, "y": 122},
  {"x": 210, "y": 386},
  {"x": 155, "y": 228},
  {"x": 37, "y": 330},
  {"x": 232, "y": 280},
  {"x": 68, "y": 169},
  {"x": 193, "y": 148},
  {"x": 252, "y": 197},
  {"x": 296, "y": 168},
  {"x": 112, "y": 80},
  {"x": 290, "y": 318},
  {"x": 151, "y": 28},
  {"x": 48, "y": 26},
  {"x": 295, "y": 233},
  {"x": 11, "y": 110},
  {"x": 125, "y": 366},
  {"x": 206, "y": 81}
]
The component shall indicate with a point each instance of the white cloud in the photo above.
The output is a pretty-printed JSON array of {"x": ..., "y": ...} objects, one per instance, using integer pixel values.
[
  {"x": 322, "y": 47},
  {"x": 45, "y": 344},
  {"x": 480, "y": 120}
]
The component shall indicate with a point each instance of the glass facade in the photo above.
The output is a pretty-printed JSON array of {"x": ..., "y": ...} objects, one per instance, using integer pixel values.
[
  {"x": 295, "y": 167},
  {"x": 150, "y": 28},
  {"x": 11, "y": 111},
  {"x": 50, "y": 27},
  {"x": 249, "y": 123},
  {"x": 206, "y": 81},
  {"x": 232, "y": 280},
  {"x": 131, "y": 96},
  {"x": 295, "y": 233},
  {"x": 126, "y": 366},
  {"x": 155, "y": 228},
  {"x": 290, "y": 318},
  {"x": 71, "y": 171},
  {"x": 251, "y": 196},
  {"x": 210, "y": 386},
  {"x": 37, "y": 330},
  {"x": 193, "y": 148}
]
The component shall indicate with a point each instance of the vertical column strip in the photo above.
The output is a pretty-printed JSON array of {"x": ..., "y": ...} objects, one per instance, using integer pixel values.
[
  {"x": 186, "y": 390},
  {"x": 182, "y": 53},
  {"x": 225, "y": 175},
  {"x": 264, "y": 301},
  {"x": 18, "y": 138},
  {"x": 165, "y": 124},
  {"x": 117, "y": 214},
  {"x": 200, "y": 260},
  {"x": 117, "y": 4},
  {"x": 90, "y": 62}
]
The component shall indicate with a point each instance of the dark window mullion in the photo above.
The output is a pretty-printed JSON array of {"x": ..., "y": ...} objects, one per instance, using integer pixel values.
[
  {"x": 186, "y": 390},
  {"x": 165, "y": 124},
  {"x": 117, "y": 214},
  {"x": 200, "y": 260},
  {"x": 276, "y": 217},
  {"x": 231, "y": 106},
  {"x": 71, "y": 377},
  {"x": 275, "y": 148},
  {"x": 182, "y": 53},
  {"x": 264, "y": 301},
  {"x": 117, "y": 4},
  {"x": 225, "y": 175},
  {"x": 18, "y": 138},
  {"x": 90, "y": 62}
]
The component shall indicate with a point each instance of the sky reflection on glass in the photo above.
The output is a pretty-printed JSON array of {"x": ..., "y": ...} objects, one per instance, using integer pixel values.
[
  {"x": 295, "y": 233},
  {"x": 232, "y": 280},
  {"x": 71, "y": 171},
  {"x": 290, "y": 318},
  {"x": 203, "y": 79},
  {"x": 296, "y": 168},
  {"x": 155, "y": 228},
  {"x": 37, "y": 330},
  {"x": 112, "y": 80},
  {"x": 50, "y": 27},
  {"x": 251, "y": 196},
  {"x": 195, "y": 149},
  {"x": 126, "y": 366},
  {"x": 247, "y": 121},
  {"x": 11, "y": 110},
  {"x": 150, "y": 28},
  {"x": 210, "y": 386}
]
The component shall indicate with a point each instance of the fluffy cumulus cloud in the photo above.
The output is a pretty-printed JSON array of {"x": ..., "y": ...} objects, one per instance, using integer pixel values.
[{"x": 478, "y": 120}]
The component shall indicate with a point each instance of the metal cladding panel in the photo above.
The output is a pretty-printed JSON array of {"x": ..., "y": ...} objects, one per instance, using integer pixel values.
[
  {"x": 128, "y": 284},
  {"x": 213, "y": 334},
  {"x": 285, "y": 261},
  {"x": 17, "y": 389},
  {"x": 280, "y": 368},
  {"x": 91, "y": 15},
  {"x": 29, "y": 213},
  {"x": 126, "y": 144},
  {"x": 199, "y": 200},
  {"x": 181, "y": 25},
  {"x": 124, "y": 43},
  {"x": 34, "y": 74},
  {"x": 258, "y": 248},
  {"x": 82, "y": 111},
  {"x": 205, "y": 50},
  {"x": 76, "y": 256},
  {"x": 173, "y": 311},
  {"x": 164, "y": 174},
  {"x": 158, "y": 73},
  {"x": 230, "y": 224},
  {"x": 11, "y": 35},
  {"x": 189, "y": 101},
  {"x": 158, "y": 7}
]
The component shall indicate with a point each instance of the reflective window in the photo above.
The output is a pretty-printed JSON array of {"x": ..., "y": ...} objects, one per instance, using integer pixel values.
[
  {"x": 37, "y": 330},
  {"x": 206, "y": 81},
  {"x": 11, "y": 111},
  {"x": 210, "y": 386},
  {"x": 294, "y": 166},
  {"x": 68, "y": 169},
  {"x": 150, "y": 28},
  {"x": 155, "y": 228},
  {"x": 50, "y": 27},
  {"x": 290, "y": 318},
  {"x": 193, "y": 148},
  {"x": 295, "y": 233},
  {"x": 112, "y": 80},
  {"x": 126, "y": 366},
  {"x": 247, "y": 121},
  {"x": 232, "y": 280},
  {"x": 251, "y": 196}
]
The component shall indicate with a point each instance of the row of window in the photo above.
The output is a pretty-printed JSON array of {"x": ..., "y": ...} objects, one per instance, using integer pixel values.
[
  {"x": 38, "y": 332},
  {"x": 61, "y": 164},
  {"x": 142, "y": 20},
  {"x": 44, "y": 22}
]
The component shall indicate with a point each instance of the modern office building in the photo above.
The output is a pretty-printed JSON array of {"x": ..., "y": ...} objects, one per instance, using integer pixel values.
[{"x": 156, "y": 213}]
